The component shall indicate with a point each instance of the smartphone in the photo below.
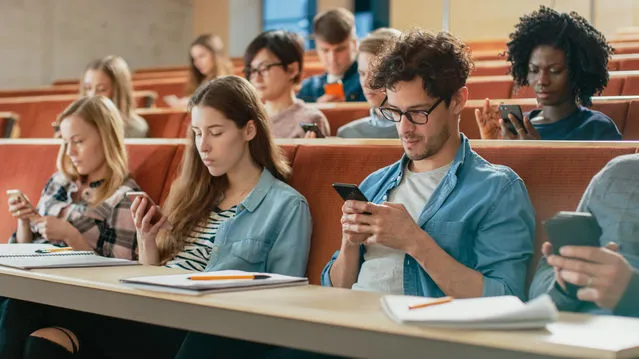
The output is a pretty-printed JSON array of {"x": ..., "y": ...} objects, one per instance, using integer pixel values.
[
  {"x": 350, "y": 192},
  {"x": 134, "y": 194},
  {"x": 572, "y": 229},
  {"x": 313, "y": 128},
  {"x": 18, "y": 194},
  {"x": 515, "y": 110},
  {"x": 335, "y": 89}
]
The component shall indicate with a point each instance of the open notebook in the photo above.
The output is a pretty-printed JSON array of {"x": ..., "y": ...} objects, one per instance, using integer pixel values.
[
  {"x": 25, "y": 256},
  {"x": 503, "y": 312},
  {"x": 180, "y": 283}
]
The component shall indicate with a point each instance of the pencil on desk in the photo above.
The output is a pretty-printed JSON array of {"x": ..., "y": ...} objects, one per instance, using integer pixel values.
[
  {"x": 432, "y": 302},
  {"x": 53, "y": 250},
  {"x": 229, "y": 277}
]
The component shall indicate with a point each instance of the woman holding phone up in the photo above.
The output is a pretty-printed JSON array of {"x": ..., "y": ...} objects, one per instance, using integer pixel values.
[
  {"x": 84, "y": 206},
  {"x": 80, "y": 201},
  {"x": 564, "y": 60}
]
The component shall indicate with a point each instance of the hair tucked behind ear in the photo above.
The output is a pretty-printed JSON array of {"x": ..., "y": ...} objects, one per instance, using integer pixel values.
[{"x": 196, "y": 192}]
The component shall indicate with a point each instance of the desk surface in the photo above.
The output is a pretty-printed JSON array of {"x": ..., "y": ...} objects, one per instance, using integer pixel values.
[{"x": 330, "y": 320}]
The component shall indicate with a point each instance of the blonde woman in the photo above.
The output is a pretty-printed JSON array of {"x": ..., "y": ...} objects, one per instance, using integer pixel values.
[
  {"x": 83, "y": 205},
  {"x": 80, "y": 203},
  {"x": 110, "y": 77},
  {"x": 207, "y": 61}
]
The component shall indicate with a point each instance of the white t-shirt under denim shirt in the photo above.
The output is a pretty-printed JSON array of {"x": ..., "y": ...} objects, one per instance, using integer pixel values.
[{"x": 383, "y": 267}]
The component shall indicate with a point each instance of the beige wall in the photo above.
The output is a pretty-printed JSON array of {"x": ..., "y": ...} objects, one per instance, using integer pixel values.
[
  {"x": 44, "y": 40},
  {"x": 491, "y": 19},
  {"x": 323, "y": 5},
  {"x": 212, "y": 17}
]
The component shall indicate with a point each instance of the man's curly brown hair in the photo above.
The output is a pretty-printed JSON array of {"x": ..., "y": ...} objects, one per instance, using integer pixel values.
[
  {"x": 442, "y": 61},
  {"x": 586, "y": 49}
]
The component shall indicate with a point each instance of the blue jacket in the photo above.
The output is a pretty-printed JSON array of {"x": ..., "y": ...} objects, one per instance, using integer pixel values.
[
  {"x": 480, "y": 214},
  {"x": 271, "y": 232},
  {"x": 313, "y": 88}
]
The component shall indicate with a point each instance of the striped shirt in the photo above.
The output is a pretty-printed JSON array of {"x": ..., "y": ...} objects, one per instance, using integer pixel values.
[{"x": 200, "y": 244}]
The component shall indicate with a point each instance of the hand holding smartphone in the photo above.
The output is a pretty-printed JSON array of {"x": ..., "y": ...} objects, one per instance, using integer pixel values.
[
  {"x": 312, "y": 127},
  {"x": 150, "y": 204},
  {"x": 515, "y": 110},
  {"x": 572, "y": 229},
  {"x": 350, "y": 192},
  {"x": 18, "y": 203}
]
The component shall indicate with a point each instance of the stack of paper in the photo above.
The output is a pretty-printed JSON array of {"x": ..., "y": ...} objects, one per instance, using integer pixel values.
[
  {"x": 24, "y": 256},
  {"x": 180, "y": 283},
  {"x": 502, "y": 312}
]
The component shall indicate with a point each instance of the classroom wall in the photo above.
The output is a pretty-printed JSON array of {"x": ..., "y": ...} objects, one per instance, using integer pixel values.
[
  {"x": 43, "y": 40},
  {"x": 491, "y": 19}
]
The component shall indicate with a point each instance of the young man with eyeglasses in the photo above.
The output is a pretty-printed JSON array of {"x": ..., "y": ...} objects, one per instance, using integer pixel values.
[
  {"x": 273, "y": 63},
  {"x": 336, "y": 42},
  {"x": 443, "y": 221}
]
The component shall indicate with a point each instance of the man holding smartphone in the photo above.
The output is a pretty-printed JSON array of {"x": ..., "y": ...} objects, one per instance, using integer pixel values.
[
  {"x": 443, "y": 221},
  {"x": 608, "y": 275},
  {"x": 336, "y": 42}
]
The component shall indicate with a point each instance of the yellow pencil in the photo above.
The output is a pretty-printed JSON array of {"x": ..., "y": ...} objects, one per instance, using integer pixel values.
[
  {"x": 228, "y": 277},
  {"x": 53, "y": 250},
  {"x": 433, "y": 302}
]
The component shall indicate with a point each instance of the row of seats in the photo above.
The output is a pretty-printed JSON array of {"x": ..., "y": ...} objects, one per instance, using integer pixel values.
[
  {"x": 622, "y": 83},
  {"x": 174, "y": 123},
  {"x": 555, "y": 175},
  {"x": 625, "y": 62},
  {"x": 36, "y": 113}
]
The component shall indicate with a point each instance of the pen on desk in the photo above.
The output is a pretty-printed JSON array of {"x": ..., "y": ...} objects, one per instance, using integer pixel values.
[
  {"x": 53, "y": 250},
  {"x": 432, "y": 302},
  {"x": 229, "y": 277}
]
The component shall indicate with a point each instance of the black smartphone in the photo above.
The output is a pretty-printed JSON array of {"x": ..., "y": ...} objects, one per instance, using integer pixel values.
[
  {"x": 350, "y": 192},
  {"x": 313, "y": 128},
  {"x": 515, "y": 110},
  {"x": 572, "y": 229}
]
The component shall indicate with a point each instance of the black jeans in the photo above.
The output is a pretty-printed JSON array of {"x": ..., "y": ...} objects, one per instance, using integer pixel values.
[{"x": 98, "y": 336}]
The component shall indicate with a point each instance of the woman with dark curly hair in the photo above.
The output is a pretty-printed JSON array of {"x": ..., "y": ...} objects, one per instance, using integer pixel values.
[{"x": 564, "y": 59}]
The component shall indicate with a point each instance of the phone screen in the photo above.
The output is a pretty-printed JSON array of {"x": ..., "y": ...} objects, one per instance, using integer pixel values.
[
  {"x": 515, "y": 110},
  {"x": 572, "y": 229},
  {"x": 313, "y": 128}
]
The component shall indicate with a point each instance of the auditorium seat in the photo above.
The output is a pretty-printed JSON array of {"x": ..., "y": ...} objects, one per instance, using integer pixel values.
[
  {"x": 38, "y": 112},
  {"x": 166, "y": 122},
  {"x": 339, "y": 114},
  {"x": 555, "y": 174}
]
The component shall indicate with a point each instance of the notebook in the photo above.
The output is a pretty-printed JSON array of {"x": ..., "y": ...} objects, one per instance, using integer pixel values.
[
  {"x": 181, "y": 284},
  {"x": 503, "y": 312},
  {"x": 24, "y": 256}
]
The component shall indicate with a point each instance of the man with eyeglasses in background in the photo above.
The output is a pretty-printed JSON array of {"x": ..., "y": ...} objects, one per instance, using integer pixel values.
[{"x": 443, "y": 221}]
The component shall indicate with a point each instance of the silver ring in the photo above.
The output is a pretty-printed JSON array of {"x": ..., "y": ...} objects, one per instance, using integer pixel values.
[{"x": 589, "y": 282}]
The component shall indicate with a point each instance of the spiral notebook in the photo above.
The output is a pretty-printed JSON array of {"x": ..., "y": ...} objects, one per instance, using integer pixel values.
[
  {"x": 25, "y": 256},
  {"x": 502, "y": 312}
]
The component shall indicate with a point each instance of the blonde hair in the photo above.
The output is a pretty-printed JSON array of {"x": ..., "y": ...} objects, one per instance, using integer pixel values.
[
  {"x": 101, "y": 113},
  {"x": 221, "y": 64},
  {"x": 195, "y": 192},
  {"x": 117, "y": 70},
  {"x": 375, "y": 42}
]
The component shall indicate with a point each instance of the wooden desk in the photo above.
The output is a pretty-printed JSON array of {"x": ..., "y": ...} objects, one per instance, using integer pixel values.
[{"x": 329, "y": 320}]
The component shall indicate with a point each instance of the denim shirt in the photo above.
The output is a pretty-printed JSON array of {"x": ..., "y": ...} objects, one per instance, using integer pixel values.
[
  {"x": 271, "y": 232},
  {"x": 480, "y": 214},
  {"x": 613, "y": 199}
]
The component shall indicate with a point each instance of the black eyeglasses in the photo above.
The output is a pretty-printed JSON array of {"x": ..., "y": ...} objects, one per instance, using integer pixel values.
[
  {"x": 249, "y": 71},
  {"x": 415, "y": 116}
]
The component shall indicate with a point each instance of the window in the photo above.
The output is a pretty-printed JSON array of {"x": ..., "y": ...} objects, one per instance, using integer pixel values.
[{"x": 292, "y": 15}]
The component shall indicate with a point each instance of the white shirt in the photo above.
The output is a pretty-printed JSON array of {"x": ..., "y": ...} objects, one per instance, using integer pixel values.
[{"x": 383, "y": 267}]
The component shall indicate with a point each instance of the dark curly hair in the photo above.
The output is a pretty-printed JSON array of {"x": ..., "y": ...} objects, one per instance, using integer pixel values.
[
  {"x": 442, "y": 61},
  {"x": 586, "y": 49}
]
